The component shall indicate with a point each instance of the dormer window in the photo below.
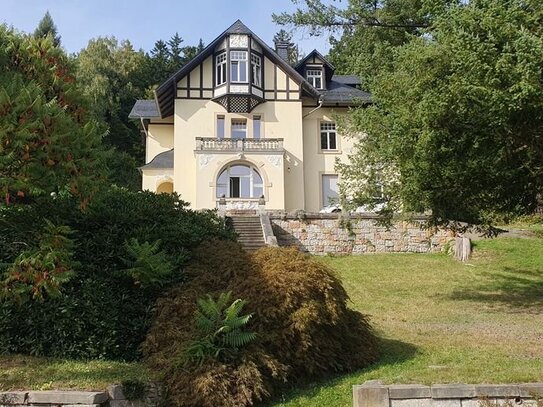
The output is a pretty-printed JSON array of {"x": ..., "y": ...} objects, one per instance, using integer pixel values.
[
  {"x": 238, "y": 66},
  {"x": 256, "y": 70},
  {"x": 221, "y": 69},
  {"x": 314, "y": 77}
]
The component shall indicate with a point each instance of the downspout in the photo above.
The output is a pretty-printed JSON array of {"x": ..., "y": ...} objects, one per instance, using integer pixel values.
[{"x": 321, "y": 101}]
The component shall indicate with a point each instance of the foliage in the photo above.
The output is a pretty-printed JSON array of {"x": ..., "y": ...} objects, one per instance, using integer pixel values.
[
  {"x": 148, "y": 264},
  {"x": 47, "y": 27},
  {"x": 47, "y": 142},
  {"x": 302, "y": 324},
  {"x": 102, "y": 312},
  {"x": 133, "y": 389},
  {"x": 40, "y": 271},
  {"x": 220, "y": 329},
  {"x": 285, "y": 36},
  {"x": 457, "y": 126}
]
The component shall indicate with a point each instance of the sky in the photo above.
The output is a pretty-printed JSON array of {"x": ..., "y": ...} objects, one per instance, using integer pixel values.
[{"x": 145, "y": 21}]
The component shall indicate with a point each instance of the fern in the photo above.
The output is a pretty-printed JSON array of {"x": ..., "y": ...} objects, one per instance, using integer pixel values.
[
  {"x": 148, "y": 265},
  {"x": 220, "y": 328}
]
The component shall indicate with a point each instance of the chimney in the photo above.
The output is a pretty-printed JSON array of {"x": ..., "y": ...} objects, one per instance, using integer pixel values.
[{"x": 282, "y": 49}]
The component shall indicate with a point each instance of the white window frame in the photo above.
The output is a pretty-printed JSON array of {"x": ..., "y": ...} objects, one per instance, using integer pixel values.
[
  {"x": 323, "y": 198},
  {"x": 257, "y": 118},
  {"x": 312, "y": 74},
  {"x": 220, "y": 133},
  {"x": 256, "y": 70},
  {"x": 220, "y": 69},
  {"x": 237, "y": 59},
  {"x": 328, "y": 129},
  {"x": 239, "y": 124}
]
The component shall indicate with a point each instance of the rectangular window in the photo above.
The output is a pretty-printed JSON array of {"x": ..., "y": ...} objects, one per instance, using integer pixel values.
[
  {"x": 220, "y": 126},
  {"x": 314, "y": 77},
  {"x": 238, "y": 66},
  {"x": 257, "y": 126},
  {"x": 256, "y": 70},
  {"x": 239, "y": 128},
  {"x": 328, "y": 136},
  {"x": 221, "y": 69},
  {"x": 330, "y": 191}
]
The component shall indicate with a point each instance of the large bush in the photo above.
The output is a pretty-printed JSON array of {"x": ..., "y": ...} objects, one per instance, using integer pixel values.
[
  {"x": 104, "y": 310},
  {"x": 299, "y": 314}
]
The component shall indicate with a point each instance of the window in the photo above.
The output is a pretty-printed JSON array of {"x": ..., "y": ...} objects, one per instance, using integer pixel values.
[
  {"x": 257, "y": 126},
  {"x": 221, "y": 69},
  {"x": 240, "y": 181},
  {"x": 256, "y": 70},
  {"x": 238, "y": 66},
  {"x": 239, "y": 128},
  {"x": 328, "y": 136},
  {"x": 330, "y": 192},
  {"x": 220, "y": 126},
  {"x": 314, "y": 77}
]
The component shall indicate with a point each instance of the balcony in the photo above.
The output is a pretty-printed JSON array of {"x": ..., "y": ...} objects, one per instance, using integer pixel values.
[{"x": 236, "y": 145}]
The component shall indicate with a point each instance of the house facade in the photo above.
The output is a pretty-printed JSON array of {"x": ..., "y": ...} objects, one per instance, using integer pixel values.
[{"x": 239, "y": 124}]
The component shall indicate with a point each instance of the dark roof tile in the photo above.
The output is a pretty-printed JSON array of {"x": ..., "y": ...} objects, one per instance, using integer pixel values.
[
  {"x": 144, "y": 109},
  {"x": 161, "y": 161}
]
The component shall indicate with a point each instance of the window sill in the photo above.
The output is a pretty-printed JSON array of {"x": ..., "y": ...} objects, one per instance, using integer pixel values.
[{"x": 321, "y": 151}]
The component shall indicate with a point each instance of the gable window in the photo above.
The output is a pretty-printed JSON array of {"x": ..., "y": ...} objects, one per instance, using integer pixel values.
[
  {"x": 220, "y": 126},
  {"x": 314, "y": 77},
  {"x": 256, "y": 70},
  {"x": 221, "y": 69},
  {"x": 239, "y": 128},
  {"x": 328, "y": 136},
  {"x": 238, "y": 66}
]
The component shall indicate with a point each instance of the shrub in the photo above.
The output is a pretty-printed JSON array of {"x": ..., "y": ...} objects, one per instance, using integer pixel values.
[
  {"x": 300, "y": 316},
  {"x": 105, "y": 310}
]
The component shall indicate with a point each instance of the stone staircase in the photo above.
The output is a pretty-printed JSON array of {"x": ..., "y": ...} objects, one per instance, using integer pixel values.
[{"x": 249, "y": 230}]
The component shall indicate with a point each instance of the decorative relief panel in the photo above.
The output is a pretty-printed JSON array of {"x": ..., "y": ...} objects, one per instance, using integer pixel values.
[
  {"x": 205, "y": 159},
  {"x": 222, "y": 45},
  {"x": 239, "y": 88},
  {"x": 256, "y": 47},
  {"x": 239, "y": 41},
  {"x": 275, "y": 160}
]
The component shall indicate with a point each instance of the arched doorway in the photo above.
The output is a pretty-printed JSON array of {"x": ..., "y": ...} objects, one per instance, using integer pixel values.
[
  {"x": 165, "y": 188},
  {"x": 239, "y": 181}
]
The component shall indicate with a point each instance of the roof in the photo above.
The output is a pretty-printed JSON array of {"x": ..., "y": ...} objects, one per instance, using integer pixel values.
[
  {"x": 165, "y": 93},
  {"x": 144, "y": 109},
  {"x": 340, "y": 93},
  {"x": 161, "y": 161},
  {"x": 316, "y": 53},
  {"x": 352, "y": 80}
]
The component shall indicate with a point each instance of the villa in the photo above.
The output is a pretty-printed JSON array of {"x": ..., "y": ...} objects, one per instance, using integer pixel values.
[{"x": 239, "y": 125}]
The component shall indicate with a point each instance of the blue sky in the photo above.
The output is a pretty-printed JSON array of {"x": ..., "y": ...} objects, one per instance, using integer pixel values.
[{"x": 145, "y": 21}]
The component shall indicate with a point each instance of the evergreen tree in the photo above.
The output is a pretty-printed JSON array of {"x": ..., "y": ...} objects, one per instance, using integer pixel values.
[
  {"x": 175, "y": 52},
  {"x": 284, "y": 36},
  {"x": 47, "y": 27}
]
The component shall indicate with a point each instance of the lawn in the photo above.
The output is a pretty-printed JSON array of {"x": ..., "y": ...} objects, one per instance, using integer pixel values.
[{"x": 441, "y": 321}]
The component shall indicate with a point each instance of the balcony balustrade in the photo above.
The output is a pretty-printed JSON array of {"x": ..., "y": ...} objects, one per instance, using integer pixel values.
[{"x": 232, "y": 144}]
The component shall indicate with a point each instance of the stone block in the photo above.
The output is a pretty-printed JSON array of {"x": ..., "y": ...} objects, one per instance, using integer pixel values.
[
  {"x": 370, "y": 395},
  {"x": 13, "y": 397},
  {"x": 446, "y": 402},
  {"x": 409, "y": 391},
  {"x": 66, "y": 397},
  {"x": 411, "y": 403},
  {"x": 126, "y": 403},
  {"x": 531, "y": 390},
  {"x": 451, "y": 391},
  {"x": 497, "y": 390},
  {"x": 115, "y": 392}
]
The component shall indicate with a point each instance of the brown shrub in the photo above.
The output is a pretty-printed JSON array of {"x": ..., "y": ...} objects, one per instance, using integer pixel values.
[{"x": 304, "y": 328}]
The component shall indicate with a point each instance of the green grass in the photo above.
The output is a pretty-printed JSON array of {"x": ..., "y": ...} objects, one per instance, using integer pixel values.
[
  {"x": 30, "y": 373},
  {"x": 442, "y": 321}
]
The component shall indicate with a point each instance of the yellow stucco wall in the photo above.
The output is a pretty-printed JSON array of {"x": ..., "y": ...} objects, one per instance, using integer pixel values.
[
  {"x": 159, "y": 139},
  {"x": 317, "y": 162}
]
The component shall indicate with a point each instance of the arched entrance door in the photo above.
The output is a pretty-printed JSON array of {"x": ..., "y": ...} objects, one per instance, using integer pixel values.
[{"x": 240, "y": 181}]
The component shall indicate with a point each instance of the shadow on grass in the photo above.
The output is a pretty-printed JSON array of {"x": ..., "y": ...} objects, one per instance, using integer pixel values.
[
  {"x": 392, "y": 352},
  {"x": 514, "y": 288}
]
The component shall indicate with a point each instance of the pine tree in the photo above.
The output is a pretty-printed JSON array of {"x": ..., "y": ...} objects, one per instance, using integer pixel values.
[
  {"x": 47, "y": 27},
  {"x": 176, "y": 51}
]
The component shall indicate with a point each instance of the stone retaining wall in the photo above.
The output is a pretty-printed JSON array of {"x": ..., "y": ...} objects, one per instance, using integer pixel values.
[
  {"x": 357, "y": 234},
  {"x": 113, "y": 397},
  {"x": 375, "y": 394}
]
